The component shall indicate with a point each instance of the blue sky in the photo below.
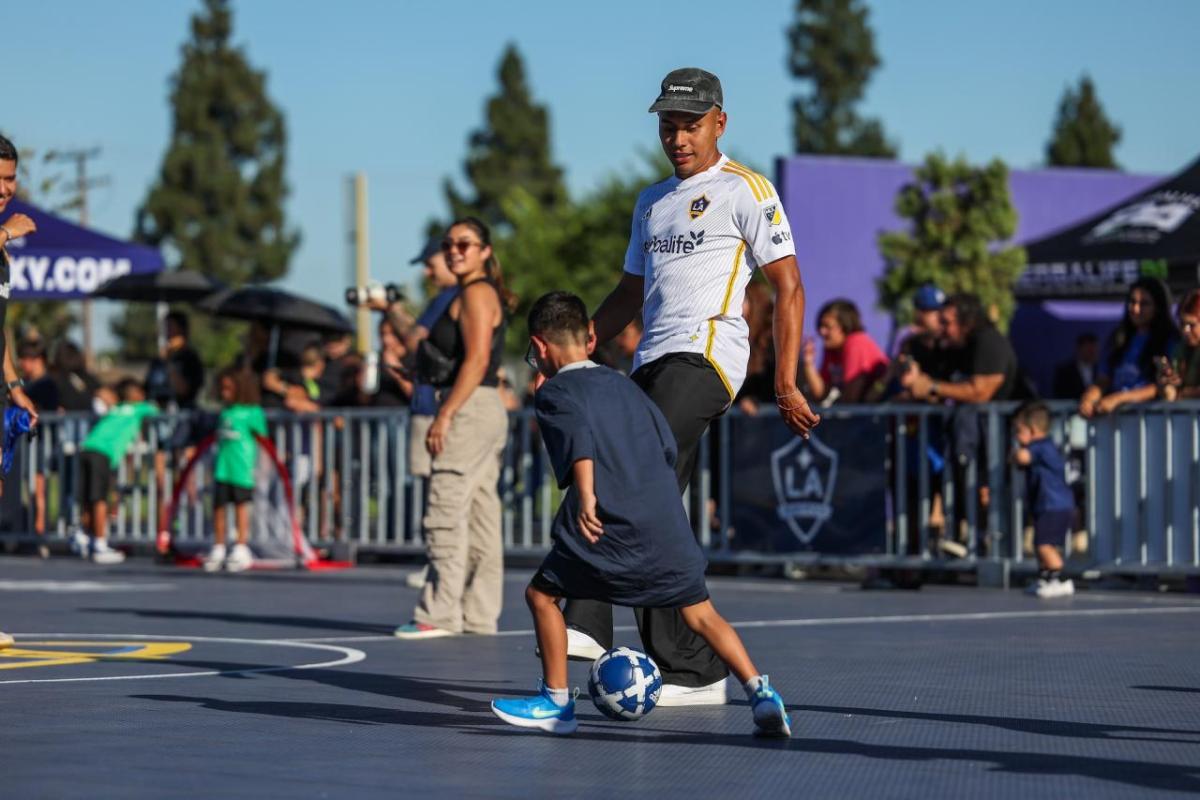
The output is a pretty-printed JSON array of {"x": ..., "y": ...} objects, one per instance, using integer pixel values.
[{"x": 393, "y": 88}]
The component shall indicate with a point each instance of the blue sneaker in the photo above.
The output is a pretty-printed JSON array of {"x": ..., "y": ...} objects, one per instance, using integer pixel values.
[
  {"x": 539, "y": 712},
  {"x": 770, "y": 715}
]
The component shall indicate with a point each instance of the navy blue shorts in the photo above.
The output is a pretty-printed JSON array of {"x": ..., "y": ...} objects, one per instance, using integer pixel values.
[
  {"x": 1052, "y": 527},
  {"x": 571, "y": 579}
]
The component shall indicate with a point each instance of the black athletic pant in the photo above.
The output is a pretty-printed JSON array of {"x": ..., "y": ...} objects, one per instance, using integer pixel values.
[{"x": 690, "y": 394}]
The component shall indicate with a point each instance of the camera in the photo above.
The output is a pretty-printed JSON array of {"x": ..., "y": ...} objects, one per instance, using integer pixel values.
[{"x": 374, "y": 292}]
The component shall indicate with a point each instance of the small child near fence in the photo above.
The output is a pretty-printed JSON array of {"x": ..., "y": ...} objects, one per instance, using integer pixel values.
[
  {"x": 233, "y": 467},
  {"x": 1049, "y": 497},
  {"x": 105, "y": 446}
]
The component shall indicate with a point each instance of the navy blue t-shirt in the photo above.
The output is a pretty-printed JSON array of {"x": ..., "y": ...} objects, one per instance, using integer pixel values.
[
  {"x": 648, "y": 556},
  {"x": 1046, "y": 479}
]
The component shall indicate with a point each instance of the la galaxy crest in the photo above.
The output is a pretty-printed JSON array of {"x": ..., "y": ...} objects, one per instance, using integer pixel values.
[
  {"x": 698, "y": 207},
  {"x": 772, "y": 214}
]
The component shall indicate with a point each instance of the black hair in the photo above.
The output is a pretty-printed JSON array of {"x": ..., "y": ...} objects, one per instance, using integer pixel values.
[
  {"x": 559, "y": 317},
  {"x": 1162, "y": 328},
  {"x": 246, "y": 390},
  {"x": 846, "y": 314},
  {"x": 8, "y": 150},
  {"x": 125, "y": 386},
  {"x": 969, "y": 310},
  {"x": 179, "y": 320},
  {"x": 31, "y": 349},
  {"x": 1036, "y": 415}
]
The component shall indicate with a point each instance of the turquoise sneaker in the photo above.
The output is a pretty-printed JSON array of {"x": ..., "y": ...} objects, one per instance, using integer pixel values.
[
  {"x": 770, "y": 715},
  {"x": 537, "y": 712}
]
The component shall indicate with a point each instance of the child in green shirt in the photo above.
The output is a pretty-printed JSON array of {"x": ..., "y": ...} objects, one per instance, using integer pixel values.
[
  {"x": 106, "y": 444},
  {"x": 233, "y": 467}
]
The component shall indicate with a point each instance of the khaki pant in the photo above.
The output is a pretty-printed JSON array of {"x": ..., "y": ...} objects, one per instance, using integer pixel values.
[
  {"x": 420, "y": 463},
  {"x": 462, "y": 521}
]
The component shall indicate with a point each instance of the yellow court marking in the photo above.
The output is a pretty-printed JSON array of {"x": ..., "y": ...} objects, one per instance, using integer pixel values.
[{"x": 34, "y": 654}]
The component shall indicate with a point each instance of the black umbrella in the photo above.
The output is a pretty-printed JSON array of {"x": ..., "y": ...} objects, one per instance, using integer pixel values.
[
  {"x": 174, "y": 286},
  {"x": 276, "y": 308},
  {"x": 1155, "y": 233}
]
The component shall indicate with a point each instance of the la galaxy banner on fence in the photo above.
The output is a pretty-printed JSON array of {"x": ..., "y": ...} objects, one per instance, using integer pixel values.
[
  {"x": 64, "y": 261},
  {"x": 825, "y": 494}
]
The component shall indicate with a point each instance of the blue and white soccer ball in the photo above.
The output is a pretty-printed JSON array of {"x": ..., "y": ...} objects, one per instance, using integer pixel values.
[{"x": 624, "y": 684}]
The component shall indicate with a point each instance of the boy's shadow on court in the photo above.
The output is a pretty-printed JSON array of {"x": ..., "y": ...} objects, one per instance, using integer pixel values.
[{"x": 1166, "y": 777}]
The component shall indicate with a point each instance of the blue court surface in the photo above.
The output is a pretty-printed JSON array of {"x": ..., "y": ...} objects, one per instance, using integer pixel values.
[{"x": 148, "y": 681}]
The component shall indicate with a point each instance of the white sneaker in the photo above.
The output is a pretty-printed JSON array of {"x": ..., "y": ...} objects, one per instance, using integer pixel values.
[
  {"x": 80, "y": 543},
  {"x": 581, "y": 647},
  {"x": 715, "y": 694},
  {"x": 1056, "y": 588},
  {"x": 5, "y": 640},
  {"x": 416, "y": 580},
  {"x": 215, "y": 558},
  {"x": 103, "y": 554},
  {"x": 1035, "y": 588},
  {"x": 240, "y": 559}
]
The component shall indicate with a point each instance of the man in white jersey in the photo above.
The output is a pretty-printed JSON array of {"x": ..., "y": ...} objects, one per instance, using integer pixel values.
[{"x": 696, "y": 241}]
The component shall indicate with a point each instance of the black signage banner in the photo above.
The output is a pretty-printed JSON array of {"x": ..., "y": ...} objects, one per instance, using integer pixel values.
[{"x": 825, "y": 494}]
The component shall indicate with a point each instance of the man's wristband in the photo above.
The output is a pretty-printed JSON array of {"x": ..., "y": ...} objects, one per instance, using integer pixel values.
[
  {"x": 933, "y": 389},
  {"x": 8, "y": 235}
]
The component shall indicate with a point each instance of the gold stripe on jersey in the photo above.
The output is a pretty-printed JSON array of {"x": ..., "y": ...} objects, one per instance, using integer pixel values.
[
  {"x": 749, "y": 181},
  {"x": 712, "y": 325},
  {"x": 764, "y": 185}
]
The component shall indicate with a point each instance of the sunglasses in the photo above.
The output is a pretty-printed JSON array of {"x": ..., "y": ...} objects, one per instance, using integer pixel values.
[
  {"x": 531, "y": 357},
  {"x": 462, "y": 246}
]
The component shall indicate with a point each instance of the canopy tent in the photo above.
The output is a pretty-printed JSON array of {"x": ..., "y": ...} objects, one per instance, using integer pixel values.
[
  {"x": 64, "y": 261},
  {"x": 1155, "y": 233}
]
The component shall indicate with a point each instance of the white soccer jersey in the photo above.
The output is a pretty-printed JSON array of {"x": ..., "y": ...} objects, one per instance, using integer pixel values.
[{"x": 697, "y": 243}]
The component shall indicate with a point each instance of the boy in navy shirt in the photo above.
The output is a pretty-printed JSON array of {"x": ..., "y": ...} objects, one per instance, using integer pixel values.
[
  {"x": 1048, "y": 495},
  {"x": 621, "y": 534}
]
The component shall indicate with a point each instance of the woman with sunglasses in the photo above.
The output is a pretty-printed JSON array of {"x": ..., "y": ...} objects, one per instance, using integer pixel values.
[
  {"x": 1145, "y": 336},
  {"x": 462, "y": 592},
  {"x": 1180, "y": 379}
]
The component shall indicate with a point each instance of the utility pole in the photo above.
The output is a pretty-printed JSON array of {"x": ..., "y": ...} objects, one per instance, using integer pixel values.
[
  {"x": 81, "y": 186},
  {"x": 360, "y": 258}
]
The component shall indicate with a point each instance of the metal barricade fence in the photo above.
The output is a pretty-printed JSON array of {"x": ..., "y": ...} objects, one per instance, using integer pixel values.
[{"x": 1137, "y": 472}]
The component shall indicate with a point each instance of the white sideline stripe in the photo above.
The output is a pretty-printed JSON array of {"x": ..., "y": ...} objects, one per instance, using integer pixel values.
[
  {"x": 875, "y": 620},
  {"x": 81, "y": 586},
  {"x": 349, "y": 656}
]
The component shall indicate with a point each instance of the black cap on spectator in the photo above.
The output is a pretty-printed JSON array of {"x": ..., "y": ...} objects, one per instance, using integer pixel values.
[{"x": 432, "y": 247}]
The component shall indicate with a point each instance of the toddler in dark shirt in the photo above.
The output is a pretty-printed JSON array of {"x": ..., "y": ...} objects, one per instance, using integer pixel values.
[{"x": 1050, "y": 499}]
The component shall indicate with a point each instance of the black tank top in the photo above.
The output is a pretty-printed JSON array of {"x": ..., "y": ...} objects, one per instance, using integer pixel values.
[{"x": 446, "y": 336}]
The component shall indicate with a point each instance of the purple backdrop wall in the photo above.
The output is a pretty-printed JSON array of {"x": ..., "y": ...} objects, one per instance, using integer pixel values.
[{"x": 837, "y": 206}]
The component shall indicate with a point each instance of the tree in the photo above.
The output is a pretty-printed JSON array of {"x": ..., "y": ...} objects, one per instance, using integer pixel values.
[
  {"x": 1083, "y": 135},
  {"x": 577, "y": 246},
  {"x": 960, "y": 217},
  {"x": 217, "y": 206},
  {"x": 833, "y": 48},
  {"x": 511, "y": 151}
]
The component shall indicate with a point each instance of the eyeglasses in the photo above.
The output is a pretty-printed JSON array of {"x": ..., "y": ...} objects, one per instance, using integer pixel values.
[
  {"x": 462, "y": 246},
  {"x": 531, "y": 357}
]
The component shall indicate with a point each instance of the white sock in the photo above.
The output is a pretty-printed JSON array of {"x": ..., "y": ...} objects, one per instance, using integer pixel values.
[
  {"x": 754, "y": 684},
  {"x": 560, "y": 696}
]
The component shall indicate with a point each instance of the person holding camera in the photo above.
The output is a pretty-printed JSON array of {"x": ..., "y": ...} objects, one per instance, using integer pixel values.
[{"x": 461, "y": 358}]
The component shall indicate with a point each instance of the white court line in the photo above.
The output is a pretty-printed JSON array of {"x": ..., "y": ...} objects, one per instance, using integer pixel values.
[
  {"x": 349, "y": 656},
  {"x": 875, "y": 620},
  {"x": 81, "y": 586}
]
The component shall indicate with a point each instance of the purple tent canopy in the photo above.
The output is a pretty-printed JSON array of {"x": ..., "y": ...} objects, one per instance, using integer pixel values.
[{"x": 65, "y": 261}]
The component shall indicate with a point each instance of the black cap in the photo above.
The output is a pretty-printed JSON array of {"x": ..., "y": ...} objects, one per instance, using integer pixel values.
[
  {"x": 690, "y": 90},
  {"x": 432, "y": 247}
]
